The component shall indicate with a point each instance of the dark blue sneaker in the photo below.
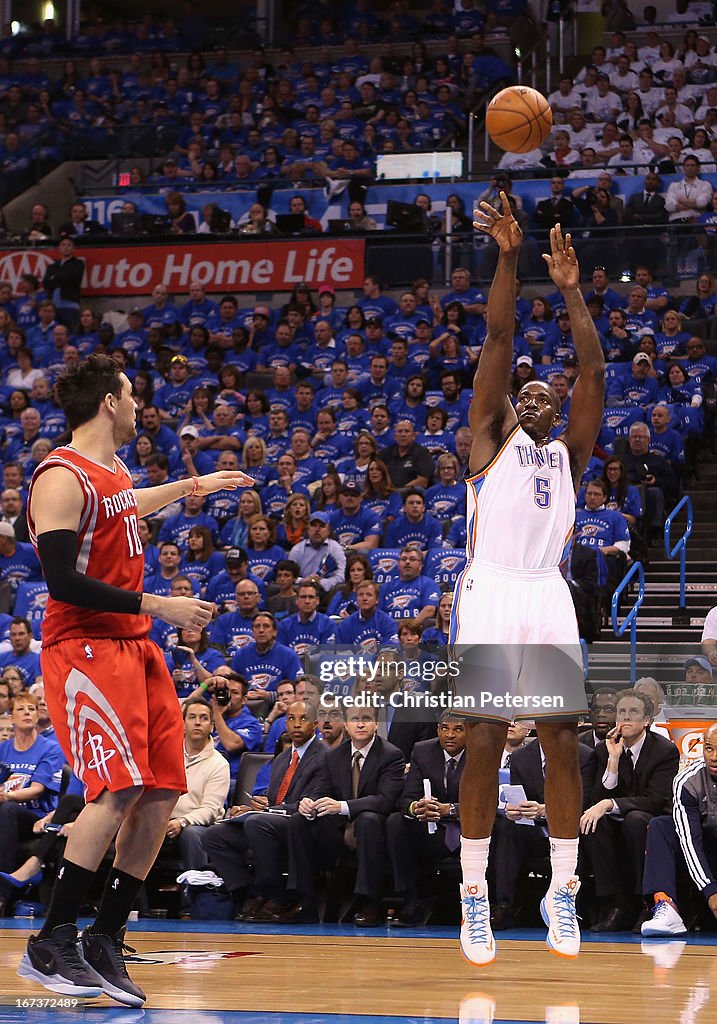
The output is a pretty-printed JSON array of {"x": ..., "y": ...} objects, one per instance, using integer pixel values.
[
  {"x": 105, "y": 955},
  {"x": 57, "y": 963}
]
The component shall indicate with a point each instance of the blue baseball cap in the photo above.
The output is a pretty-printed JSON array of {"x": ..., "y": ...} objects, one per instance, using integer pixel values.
[
  {"x": 700, "y": 661},
  {"x": 321, "y": 516}
]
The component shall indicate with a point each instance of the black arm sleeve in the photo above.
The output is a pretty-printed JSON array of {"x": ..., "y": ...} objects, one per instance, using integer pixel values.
[{"x": 58, "y": 556}]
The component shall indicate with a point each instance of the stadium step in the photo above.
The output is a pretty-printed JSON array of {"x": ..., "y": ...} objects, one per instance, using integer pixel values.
[
  {"x": 692, "y": 578},
  {"x": 659, "y": 619},
  {"x": 666, "y": 638},
  {"x": 659, "y": 654}
]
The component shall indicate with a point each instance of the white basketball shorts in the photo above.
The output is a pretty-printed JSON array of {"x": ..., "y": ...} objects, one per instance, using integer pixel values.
[{"x": 514, "y": 636}]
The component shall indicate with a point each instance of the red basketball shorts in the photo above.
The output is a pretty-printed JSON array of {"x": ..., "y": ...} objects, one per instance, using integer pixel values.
[{"x": 116, "y": 715}]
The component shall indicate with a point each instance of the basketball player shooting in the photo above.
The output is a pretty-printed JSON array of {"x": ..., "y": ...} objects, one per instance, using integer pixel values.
[
  {"x": 111, "y": 699},
  {"x": 513, "y": 619}
]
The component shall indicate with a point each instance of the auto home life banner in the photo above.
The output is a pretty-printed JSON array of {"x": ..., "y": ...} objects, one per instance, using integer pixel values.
[{"x": 236, "y": 266}]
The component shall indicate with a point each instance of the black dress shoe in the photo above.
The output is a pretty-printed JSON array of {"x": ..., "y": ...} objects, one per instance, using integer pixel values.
[
  {"x": 615, "y": 920},
  {"x": 501, "y": 917},
  {"x": 370, "y": 916},
  {"x": 250, "y": 907},
  {"x": 410, "y": 916},
  {"x": 302, "y": 913},
  {"x": 266, "y": 913}
]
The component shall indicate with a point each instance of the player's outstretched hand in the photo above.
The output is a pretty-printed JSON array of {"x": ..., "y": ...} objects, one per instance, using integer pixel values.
[
  {"x": 562, "y": 261},
  {"x": 224, "y": 480},
  {"x": 187, "y": 612},
  {"x": 503, "y": 227}
]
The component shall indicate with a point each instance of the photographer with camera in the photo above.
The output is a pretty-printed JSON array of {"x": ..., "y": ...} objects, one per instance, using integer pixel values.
[
  {"x": 235, "y": 728},
  {"x": 652, "y": 471},
  {"x": 191, "y": 660}
]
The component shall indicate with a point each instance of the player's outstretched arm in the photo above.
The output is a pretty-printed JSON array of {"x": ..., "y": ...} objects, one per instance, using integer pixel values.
[
  {"x": 151, "y": 499},
  {"x": 491, "y": 412},
  {"x": 56, "y": 510},
  {"x": 588, "y": 398}
]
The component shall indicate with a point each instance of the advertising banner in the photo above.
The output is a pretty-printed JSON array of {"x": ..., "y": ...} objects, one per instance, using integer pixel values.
[{"x": 236, "y": 266}]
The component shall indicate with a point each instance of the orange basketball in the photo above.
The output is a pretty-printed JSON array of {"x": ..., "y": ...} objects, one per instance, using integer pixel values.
[{"x": 519, "y": 119}]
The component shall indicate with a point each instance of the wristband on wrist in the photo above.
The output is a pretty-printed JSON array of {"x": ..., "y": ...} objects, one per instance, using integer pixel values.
[
  {"x": 412, "y": 808},
  {"x": 195, "y": 486},
  {"x": 204, "y": 686}
]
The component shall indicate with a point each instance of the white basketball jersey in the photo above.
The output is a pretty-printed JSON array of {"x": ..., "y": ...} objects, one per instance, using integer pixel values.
[{"x": 521, "y": 507}]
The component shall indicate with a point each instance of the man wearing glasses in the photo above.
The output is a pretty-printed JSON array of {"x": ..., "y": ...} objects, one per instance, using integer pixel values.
[{"x": 633, "y": 784}]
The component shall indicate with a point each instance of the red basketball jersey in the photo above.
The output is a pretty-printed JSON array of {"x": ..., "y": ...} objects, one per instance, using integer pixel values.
[{"x": 108, "y": 549}]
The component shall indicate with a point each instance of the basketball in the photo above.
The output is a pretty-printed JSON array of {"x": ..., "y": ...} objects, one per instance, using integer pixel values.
[{"x": 519, "y": 119}]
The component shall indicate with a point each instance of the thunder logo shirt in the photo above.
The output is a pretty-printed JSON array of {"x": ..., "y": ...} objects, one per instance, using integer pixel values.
[{"x": 521, "y": 507}]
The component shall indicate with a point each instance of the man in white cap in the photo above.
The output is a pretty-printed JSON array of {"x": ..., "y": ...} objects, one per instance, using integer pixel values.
[
  {"x": 639, "y": 388},
  {"x": 196, "y": 462}
]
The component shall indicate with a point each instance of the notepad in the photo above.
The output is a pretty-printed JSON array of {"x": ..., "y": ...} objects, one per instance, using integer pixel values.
[{"x": 513, "y": 795}]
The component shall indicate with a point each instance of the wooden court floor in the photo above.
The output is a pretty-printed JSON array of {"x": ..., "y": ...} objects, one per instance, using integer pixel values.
[{"x": 339, "y": 971}]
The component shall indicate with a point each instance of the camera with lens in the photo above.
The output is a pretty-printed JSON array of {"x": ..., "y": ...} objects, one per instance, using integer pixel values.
[{"x": 222, "y": 695}]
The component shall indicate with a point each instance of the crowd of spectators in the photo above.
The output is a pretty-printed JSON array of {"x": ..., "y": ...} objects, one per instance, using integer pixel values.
[
  {"x": 223, "y": 124},
  {"x": 353, "y": 423},
  {"x": 357, "y": 415},
  {"x": 635, "y": 104}
]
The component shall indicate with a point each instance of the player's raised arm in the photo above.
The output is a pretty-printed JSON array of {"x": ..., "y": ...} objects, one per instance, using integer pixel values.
[
  {"x": 588, "y": 397},
  {"x": 491, "y": 413}
]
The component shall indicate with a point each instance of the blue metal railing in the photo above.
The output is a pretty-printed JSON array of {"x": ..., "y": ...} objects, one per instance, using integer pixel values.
[
  {"x": 681, "y": 544},
  {"x": 631, "y": 617}
]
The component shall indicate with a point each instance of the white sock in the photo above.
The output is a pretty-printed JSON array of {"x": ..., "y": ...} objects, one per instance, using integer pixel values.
[
  {"x": 474, "y": 859},
  {"x": 563, "y": 861}
]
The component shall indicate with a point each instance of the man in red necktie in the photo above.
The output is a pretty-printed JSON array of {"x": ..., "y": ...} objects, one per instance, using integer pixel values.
[{"x": 263, "y": 825}]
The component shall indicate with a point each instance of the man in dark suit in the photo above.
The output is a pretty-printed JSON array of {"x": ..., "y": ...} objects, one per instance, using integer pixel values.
[
  {"x": 513, "y": 845},
  {"x": 261, "y": 839},
  {"x": 440, "y": 760},
  {"x": 79, "y": 225},
  {"x": 633, "y": 783},
  {"x": 63, "y": 283},
  {"x": 558, "y": 209},
  {"x": 646, "y": 206},
  {"x": 366, "y": 777},
  {"x": 602, "y": 718},
  {"x": 645, "y": 209}
]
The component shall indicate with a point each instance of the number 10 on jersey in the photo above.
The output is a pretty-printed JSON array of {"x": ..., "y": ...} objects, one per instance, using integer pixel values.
[
  {"x": 541, "y": 495},
  {"x": 133, "y": 541}
]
